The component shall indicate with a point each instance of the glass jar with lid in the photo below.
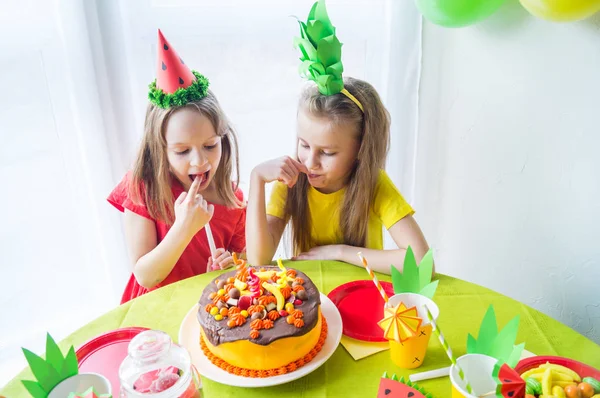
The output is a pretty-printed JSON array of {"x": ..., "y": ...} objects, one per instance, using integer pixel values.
[{"x": 155, "y": 367}]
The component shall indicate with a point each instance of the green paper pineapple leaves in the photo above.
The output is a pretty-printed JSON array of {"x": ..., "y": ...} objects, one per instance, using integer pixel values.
[
  {"x": 413, "y": 278},
  {"x": 494, "y": 343},
  {"x": 321, "y": 51},
  {"x": 51, "y": 371}
]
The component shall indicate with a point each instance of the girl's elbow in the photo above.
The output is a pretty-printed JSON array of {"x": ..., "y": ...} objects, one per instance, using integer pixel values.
[{"x": 144, "y": 281}]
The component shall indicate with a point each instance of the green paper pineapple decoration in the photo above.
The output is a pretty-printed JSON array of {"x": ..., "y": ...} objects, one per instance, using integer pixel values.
[
  {"x": 51, "y": 371},
  {"x": 494, "y": 343},
  {"x": 415, "y": 278},
  {"x": 321, "y": 51}
]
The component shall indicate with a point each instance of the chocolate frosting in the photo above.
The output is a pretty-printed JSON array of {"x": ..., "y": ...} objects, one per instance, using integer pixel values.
[{"x": 217, "y": 332}]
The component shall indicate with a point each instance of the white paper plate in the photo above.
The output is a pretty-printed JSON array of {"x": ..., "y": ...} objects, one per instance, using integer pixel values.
[{"x": 189, "y": 337}]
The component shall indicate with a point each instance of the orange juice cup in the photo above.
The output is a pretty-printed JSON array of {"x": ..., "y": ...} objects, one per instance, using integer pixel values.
[
  {"x": 411, "y": 353},
  {"x": 478, "y": 370}
]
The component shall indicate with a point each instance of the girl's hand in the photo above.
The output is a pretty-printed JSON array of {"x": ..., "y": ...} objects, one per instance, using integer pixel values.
[
  {"x": 328, "y": 252},
  {"x": 284, "y": 169},
  {"x": 191, "y": 210},
  {"x": 222, "y": 259}
]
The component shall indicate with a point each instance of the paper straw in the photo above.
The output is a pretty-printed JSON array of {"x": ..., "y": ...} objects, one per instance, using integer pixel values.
[
  {"x": 430, "y": 374},
  {"x": 211, "y": 240},
  {"x": 375, "y": 280},
  {"x": 447, "y": 348}
]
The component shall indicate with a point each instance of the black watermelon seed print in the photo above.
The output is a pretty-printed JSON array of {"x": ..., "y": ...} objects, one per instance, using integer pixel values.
[
  {"x": 164, "y": 67},
  {"x": 411, "y": 394},
  {"x": 165, "y": 47},
  {"x": 387, "y": 391},
  {"x": 180, "y": 81}
]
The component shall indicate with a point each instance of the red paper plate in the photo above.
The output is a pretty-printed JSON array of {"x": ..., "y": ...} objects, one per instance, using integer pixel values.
[
  {"x": 581, "y": 369},
  {"x": 103, "y": 354},
  {"x": 361, "y": 307}
]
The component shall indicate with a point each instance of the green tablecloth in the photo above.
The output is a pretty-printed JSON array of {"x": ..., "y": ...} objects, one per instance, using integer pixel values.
[{"x": 462, "y": 306}]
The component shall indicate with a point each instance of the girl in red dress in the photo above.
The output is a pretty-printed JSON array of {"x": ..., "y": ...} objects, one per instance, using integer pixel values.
[{"x": 181, "y": 181}]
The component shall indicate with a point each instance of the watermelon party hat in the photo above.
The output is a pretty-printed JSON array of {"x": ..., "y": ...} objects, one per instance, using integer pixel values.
[
  {"x": 175, "y": 84},
  {"x": 509, "y": 382}
]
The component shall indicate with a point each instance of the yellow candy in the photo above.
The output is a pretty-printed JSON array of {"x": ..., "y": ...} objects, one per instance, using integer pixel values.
[
  {"x": 558, "y": 392},
  {"x": 276, "y": 292},
  {"x": 547, "y": 382},
  {"x": 289, "y": 307},
  {"x": 214, "y": 311},
  {"x": 218, "y": 317},
  {"x": 221, "y": 292},
  {"x": 240, "y": 285},
  {"x": 244, "y": 313}
]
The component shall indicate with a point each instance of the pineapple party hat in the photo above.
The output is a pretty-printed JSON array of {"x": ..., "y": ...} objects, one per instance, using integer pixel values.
[
  {"x": 175, "y": 84},
  {"x": 321, "y": 53}
]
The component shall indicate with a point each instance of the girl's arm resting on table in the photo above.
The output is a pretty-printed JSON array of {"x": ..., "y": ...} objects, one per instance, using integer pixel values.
[
  {"x": 153, "y": 262},
  {"x": 263, "y": 232},
  {"x": 405, "y": 232}
]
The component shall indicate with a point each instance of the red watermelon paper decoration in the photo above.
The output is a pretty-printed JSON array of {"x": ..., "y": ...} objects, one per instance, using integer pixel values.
[
  {"x": 89, "y": 393},
  {"x": 510, "y": 383},
  {"x": 171, "y": 72},
  {"x": 394, "y": 388}
]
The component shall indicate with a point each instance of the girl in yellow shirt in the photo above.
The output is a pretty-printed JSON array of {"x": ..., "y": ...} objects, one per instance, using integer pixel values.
[{"x": 334, "y": 193}]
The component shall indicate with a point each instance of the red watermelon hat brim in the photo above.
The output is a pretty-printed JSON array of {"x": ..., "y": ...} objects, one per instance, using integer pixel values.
[{"x": 175, "y": 84}]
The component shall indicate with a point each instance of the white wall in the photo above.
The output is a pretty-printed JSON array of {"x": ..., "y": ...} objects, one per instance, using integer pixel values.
[{"x": 508, "y": 172}]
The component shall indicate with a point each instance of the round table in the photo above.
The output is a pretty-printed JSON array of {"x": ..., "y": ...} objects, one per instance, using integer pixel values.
[{"x": 462, "y": 306}]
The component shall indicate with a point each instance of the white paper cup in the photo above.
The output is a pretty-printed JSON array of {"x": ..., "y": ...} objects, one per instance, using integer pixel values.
[{"x": 477, "y": 369}]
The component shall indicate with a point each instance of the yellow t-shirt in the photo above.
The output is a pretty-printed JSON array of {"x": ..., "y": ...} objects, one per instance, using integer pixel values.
[{"x": 387, "y": 209}]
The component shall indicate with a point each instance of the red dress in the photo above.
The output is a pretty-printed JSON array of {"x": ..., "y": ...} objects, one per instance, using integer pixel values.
[{"x": 227, "y": 225}]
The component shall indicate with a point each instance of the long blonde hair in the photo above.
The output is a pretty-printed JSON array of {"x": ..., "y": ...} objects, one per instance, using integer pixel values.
[
  {"x": 372, "y": 129},
  {"x": 152, "y": 176}
]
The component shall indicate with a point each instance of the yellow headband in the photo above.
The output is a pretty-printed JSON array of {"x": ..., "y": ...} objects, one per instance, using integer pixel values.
[{"x": 353, "y": 98}]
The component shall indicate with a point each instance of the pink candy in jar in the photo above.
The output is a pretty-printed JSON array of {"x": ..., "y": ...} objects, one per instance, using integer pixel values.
[{"x": 156, "y": 367}]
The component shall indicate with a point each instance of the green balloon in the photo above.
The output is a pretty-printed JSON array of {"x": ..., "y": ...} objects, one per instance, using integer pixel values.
[{"x": 457, "y": 13}]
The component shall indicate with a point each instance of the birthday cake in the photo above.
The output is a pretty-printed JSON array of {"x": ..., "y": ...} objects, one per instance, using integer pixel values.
[{"x": 261, "y": 322}]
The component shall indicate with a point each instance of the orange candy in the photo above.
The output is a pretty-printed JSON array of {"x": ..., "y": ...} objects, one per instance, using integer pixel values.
[
  {"x": 297, "y": 288},
  {"x": 256, "y": 324},
  {"x": 255, "y": 308},
  {"x": 208, "y": 307},
  {"x": 267, "y": 324},
  {"x": 273, "y": 315},
  {"x": 224, "y": 311},
  {"x": 290, "y": 319},
  {"x": 291, "y": 273},
  {"x": 286, "y": 292}
]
